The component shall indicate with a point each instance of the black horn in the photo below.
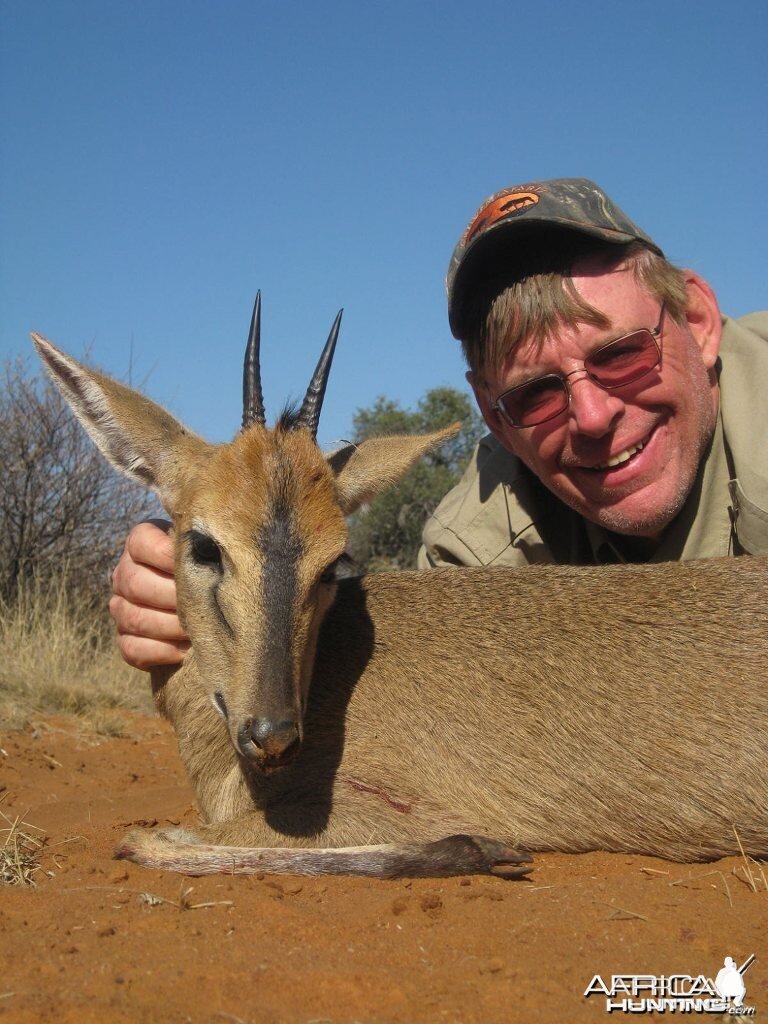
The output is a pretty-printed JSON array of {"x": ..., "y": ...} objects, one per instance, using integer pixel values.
[
  {"x": 253, "y": 399},
  {"x": 309, "y": 414}
]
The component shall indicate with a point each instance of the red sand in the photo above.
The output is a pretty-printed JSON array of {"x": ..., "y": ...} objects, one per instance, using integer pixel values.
[{"x": 99, "y": 940}]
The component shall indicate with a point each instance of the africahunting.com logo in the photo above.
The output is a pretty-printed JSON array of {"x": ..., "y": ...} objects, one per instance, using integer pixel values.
[{"x": 676, "y": 993}]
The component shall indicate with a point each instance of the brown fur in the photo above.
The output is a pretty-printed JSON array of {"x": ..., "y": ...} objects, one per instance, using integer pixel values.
[
  {"x": 567, "y": 709},
  {"x": 619, "y": 708}
]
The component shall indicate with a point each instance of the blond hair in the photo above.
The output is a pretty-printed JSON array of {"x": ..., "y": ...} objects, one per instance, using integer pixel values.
[{"x": 510, "y": 304}]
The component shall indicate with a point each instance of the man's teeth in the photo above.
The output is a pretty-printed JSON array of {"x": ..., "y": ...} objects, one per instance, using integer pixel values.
[{"x": 622, "y": 456}]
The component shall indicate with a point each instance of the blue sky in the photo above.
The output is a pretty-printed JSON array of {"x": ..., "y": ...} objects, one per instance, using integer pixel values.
[{"x": 162, "y": 160}]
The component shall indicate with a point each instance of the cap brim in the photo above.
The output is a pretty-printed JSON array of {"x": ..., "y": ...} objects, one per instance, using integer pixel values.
[{"x": 496, "y": 240}]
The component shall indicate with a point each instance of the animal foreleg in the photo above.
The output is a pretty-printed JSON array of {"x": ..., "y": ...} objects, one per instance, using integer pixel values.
[{"x": 183, "y": 851}]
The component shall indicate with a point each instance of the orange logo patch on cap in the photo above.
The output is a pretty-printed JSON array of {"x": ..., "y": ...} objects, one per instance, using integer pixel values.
[{"x": 501, "y": 206}]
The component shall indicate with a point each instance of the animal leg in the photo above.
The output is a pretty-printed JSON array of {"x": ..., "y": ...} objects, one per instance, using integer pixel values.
[{"x": 181, "y": 850}]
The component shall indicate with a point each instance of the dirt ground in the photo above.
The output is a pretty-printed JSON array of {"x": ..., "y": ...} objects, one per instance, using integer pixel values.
[{"x": 99, "y": 940}]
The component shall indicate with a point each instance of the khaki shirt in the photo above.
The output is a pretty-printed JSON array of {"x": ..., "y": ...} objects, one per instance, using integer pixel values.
[{"x": 501, "y": 514}]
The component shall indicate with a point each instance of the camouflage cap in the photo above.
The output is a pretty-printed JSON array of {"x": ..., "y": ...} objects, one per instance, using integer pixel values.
[{"x": 575, "y": 204}]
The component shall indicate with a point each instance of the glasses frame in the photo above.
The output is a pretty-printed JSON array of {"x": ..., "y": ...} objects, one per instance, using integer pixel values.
[{"x": 655, "y": 334}]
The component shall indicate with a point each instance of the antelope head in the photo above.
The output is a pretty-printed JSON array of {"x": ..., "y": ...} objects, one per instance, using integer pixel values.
[{"x": 259, "y": 531}]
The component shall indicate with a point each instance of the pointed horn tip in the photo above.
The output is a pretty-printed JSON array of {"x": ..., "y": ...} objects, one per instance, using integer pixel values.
[
  {"x": 253, "y": 400},
  {"x": 336, "y": 325}
]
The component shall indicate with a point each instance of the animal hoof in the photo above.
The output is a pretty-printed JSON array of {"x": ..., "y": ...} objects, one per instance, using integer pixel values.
[
  {"x": 476, "y": 855},
  {"x": 502, "y": 860}
]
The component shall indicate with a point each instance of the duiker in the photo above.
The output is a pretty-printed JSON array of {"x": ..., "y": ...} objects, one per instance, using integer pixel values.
[{"x": 456, "y": 719}]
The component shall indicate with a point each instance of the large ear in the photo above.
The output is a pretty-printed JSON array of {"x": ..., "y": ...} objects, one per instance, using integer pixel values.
[
  {"x": 366, "y": 470},
  {"x": 702, "y": 315},
  {"x": 493, "y": 420},
  {"x": 138, "y": 437}
]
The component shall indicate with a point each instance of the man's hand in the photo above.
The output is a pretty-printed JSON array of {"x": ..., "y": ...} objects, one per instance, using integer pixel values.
[{"x": 144, "y": 601}]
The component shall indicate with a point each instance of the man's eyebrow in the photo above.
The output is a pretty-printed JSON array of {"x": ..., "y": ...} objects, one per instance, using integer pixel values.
[
  {"x": 519, "y": 378},
  {"x": 616, "y": 334},
  {"x": 623, "y": 332},
  {"x": 530, "y": 378}
]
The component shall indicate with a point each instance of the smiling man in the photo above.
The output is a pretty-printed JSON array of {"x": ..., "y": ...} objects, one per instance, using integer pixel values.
[{"x": 627, "y": 416}]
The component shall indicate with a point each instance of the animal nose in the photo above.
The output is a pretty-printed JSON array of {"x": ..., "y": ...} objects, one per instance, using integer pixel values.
[{"x": 266, "y": 739}]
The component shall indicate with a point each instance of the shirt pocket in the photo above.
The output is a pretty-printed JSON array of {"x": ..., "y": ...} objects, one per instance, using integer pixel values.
[
  {"x": 751, "y": 521},
  {"x": 502, "y": 533}
]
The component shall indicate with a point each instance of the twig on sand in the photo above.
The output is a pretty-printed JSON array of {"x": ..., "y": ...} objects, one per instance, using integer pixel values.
[
  {"x": 761, "y": 868},
  {"x": 747, "y": 872},
  {"x": 727, "y": 890},
  {"x": 182, "y": 903},
  {"x": 691, "y": 877},
  {"x": 618, "y": 911},
  {"x": 151, "y": 899},
  {"x": 749, "y": 879}
]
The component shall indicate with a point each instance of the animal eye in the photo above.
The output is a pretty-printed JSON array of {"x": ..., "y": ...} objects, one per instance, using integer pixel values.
[
  {"x": 338, "y": 569},
  {"x": 329, "y": 575},
  {"x": 205, "y": 550}
]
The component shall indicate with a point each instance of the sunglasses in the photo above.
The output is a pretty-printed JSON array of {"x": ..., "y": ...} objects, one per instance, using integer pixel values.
[{"x": 622, "y": 361}]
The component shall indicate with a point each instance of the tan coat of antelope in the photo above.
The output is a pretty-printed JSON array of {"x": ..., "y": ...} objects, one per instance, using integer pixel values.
[{"x": 425, "y": 723}]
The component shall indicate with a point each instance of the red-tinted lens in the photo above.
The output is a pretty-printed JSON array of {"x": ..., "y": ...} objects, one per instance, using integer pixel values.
[
  {"x": 624, "y": 360},
  {"x": 532, "y": 403}
]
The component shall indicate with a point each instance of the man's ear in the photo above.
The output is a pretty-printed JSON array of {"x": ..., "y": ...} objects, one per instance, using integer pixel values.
[
  {"x": 137, "y": 436},
  {"x": 365, "y": 470},
  {"x": 493, "y": 421},
  {"x": 703, "y": 317}
]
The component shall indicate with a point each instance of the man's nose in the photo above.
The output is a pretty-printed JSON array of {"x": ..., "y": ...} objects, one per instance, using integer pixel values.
[{"x": 593, "y": 410}]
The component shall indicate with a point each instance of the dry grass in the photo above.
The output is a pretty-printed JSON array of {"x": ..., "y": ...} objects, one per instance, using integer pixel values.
[
  {"x": 19, "y": 852},
  {"x": 58, "y": 656}
]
